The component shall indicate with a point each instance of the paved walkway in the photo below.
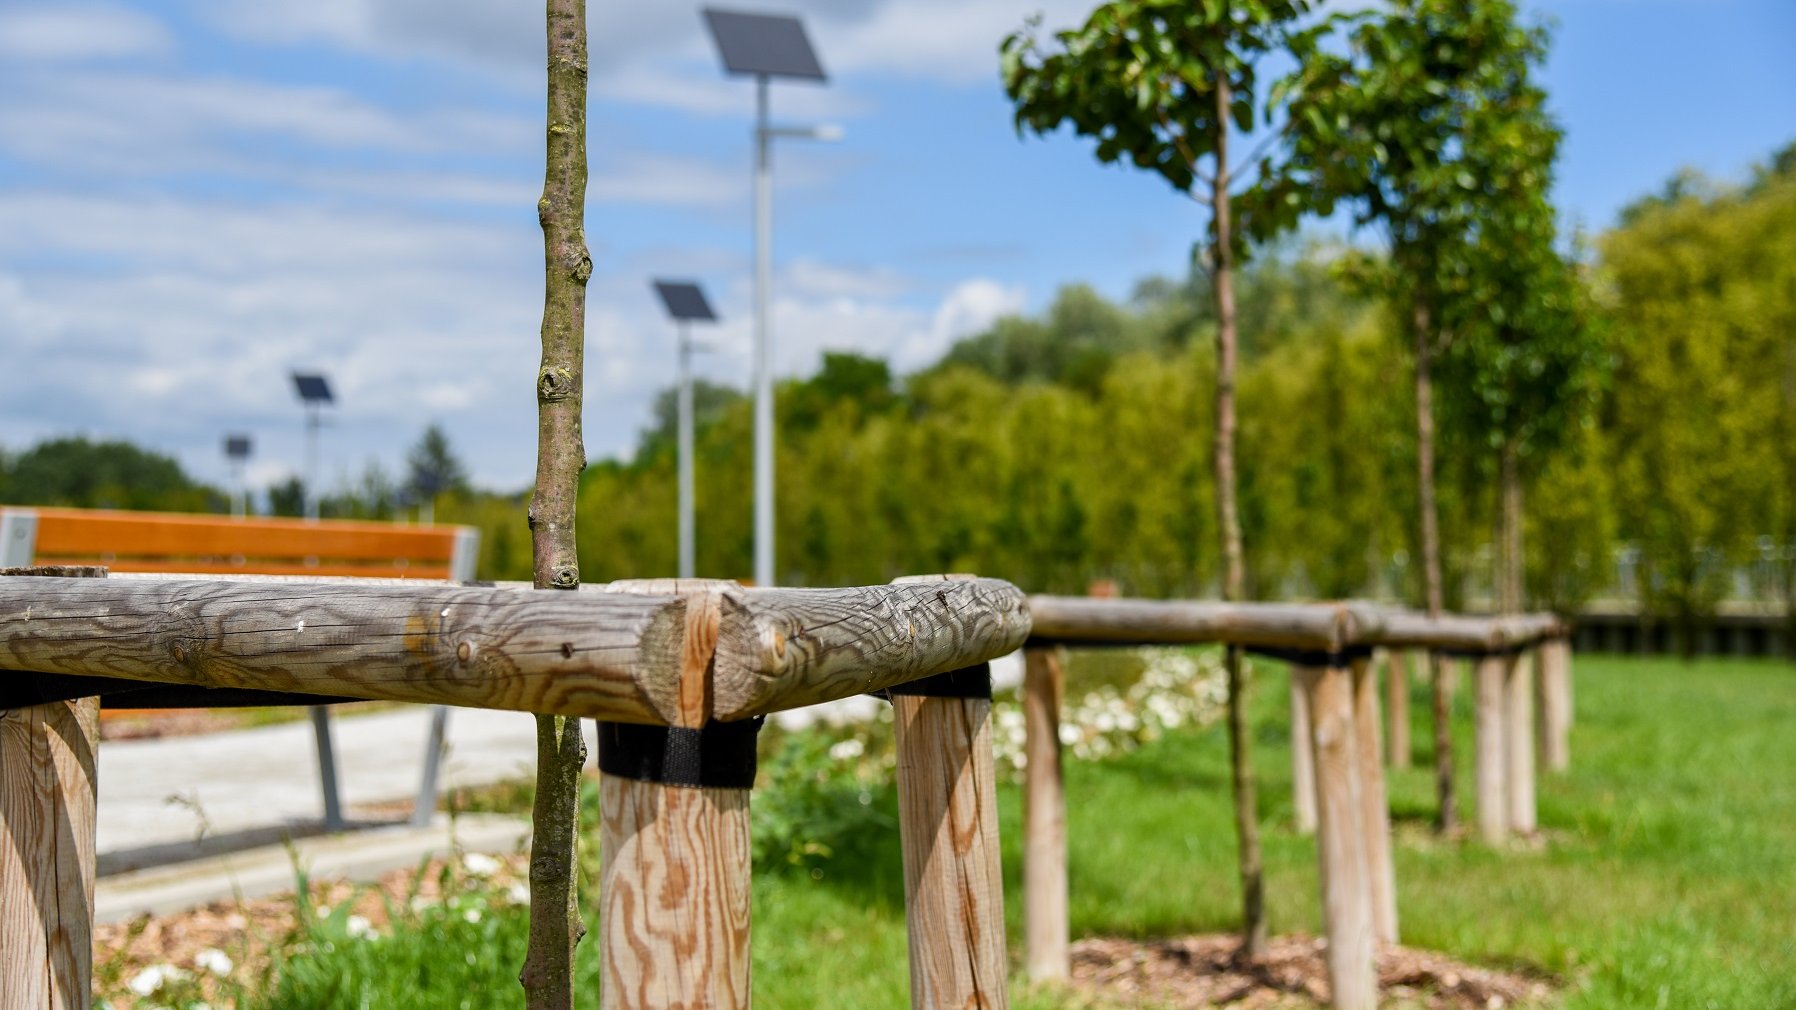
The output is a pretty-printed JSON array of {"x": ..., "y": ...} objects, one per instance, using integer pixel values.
[{"x": 178, "y": 797}]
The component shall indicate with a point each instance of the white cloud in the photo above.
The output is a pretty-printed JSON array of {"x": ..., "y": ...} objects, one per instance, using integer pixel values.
[{"x": 71, "y": 32}]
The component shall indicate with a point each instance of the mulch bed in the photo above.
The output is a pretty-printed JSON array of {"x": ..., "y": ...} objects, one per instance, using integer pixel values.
[{"x": 1203, "y": 971}]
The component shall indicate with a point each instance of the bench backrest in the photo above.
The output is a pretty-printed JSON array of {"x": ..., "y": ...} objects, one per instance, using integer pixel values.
[{"x": 220, "y": 545}]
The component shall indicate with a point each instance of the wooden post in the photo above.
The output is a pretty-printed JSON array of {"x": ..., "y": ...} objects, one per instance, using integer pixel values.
[
  {"x": 1396, "y": 724},
  {"x": 1375, "y": 812},
  {"x": 48, "y": 793},
  {"x": 1553, "y": 703},
  {"x": 1493, "y": 809},
  {"x": 948, "y": 823},
  {"x": 1518, "y": 726},
  {"x": 673, "y": 895},
  {"x": 675, "y": 852},
  {"x": 1303, "y": 759},
  {"x": 1044, "y": 818},
  {"x": 1340, "y": 840}
]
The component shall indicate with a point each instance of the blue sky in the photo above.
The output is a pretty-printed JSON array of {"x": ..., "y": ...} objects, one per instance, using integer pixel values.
[{"x": 197, "y": 196}]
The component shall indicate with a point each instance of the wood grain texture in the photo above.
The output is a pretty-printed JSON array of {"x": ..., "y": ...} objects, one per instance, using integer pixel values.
[
  {"x": 674, "y": 897},
  {"x": 610, "y": 656},
  {"x": 1396, "y": 722},
  {"x": 48, "y": 793},
  {"x": 1518, "y": 742},
  {"x": 1375, "y": 811},
  {"x": 1080, "y": 619},
  {"x": 1303, "y": 758},
  {"x": 1553, "y": 704},
  {"x": 1492, "y": 757},
  {"x": 1340, "y": 840},
  {"x": 948, "y": 823},
  {"x": 787, "y": 648},
  {"x": 704, "y": 615},
  {"x": 1045, "y": 936}
]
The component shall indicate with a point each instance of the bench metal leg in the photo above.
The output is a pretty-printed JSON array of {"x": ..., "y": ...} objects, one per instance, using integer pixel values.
[
  {"x": 425, "y": 808},
  {"x": 327, "y": 769}
]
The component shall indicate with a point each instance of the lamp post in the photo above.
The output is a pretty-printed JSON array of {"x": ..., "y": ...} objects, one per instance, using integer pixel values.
[
  {"x": 765, "y": 46},
  {"x": 237, "y": 449},
  {"x": 685, "y": 303},
  {"x": 315, "y": 393}
]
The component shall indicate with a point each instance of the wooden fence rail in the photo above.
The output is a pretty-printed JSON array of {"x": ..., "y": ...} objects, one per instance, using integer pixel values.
[
  {"x": 1338, "y": 774},
  {"x": 677, "y": 670}
]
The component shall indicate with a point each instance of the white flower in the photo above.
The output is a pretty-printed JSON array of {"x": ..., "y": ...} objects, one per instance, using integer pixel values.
[
  {"x": 518, "y": 894},
  {"x": 848, "y": 749},
  {"x": 359, "y": 927},
  {"x": 479, "y": 864},
  {"x": 471, "y": 915},
  {"x": 213, "y": 960},
  {"x": 149, "y": 980}
]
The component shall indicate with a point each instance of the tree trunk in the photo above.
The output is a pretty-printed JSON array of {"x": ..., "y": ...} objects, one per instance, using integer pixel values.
[
  {"x": 1247, "y": 826},
  {"x": 555, "y": 924},
  {"x": 1447, "y": 818},
  {"x": 1509, "y": 529}
]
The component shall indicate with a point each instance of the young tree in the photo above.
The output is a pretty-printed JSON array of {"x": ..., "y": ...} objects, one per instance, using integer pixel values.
[
  {"x": 555, "y": 924},
  {"x": 1429, "y": 127},
  {"x": 1160, "y": 83}
]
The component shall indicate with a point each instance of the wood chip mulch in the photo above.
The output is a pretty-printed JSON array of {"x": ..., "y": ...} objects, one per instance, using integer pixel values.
[{"x": 1203, "y": 971}]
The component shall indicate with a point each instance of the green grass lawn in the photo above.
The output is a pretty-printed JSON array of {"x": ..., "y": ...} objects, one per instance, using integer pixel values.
[{"x": 1668, "y": 878}]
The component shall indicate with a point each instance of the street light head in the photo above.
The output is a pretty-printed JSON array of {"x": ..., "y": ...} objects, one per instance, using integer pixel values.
[
  {"x": 685, "y": 301},
  {"x": 237, "y": 448},
  {"x": 313, "y": 389},
  {"x": 829, "y": 133},
  {"x": 763, "y": 45}
]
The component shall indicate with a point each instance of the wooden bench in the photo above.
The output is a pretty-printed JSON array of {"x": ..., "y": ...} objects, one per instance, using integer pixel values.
[{"x": 163, "y": 542}]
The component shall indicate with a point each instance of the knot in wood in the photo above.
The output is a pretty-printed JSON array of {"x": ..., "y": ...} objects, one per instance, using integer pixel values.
[
  {"x": 565, "y": 577},
  {"x": 554, "y": 384},
  {"x": 582, "y": 271},
  {"x": 464, "y": 652}
]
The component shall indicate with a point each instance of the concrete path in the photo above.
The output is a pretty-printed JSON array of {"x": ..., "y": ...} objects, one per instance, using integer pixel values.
[{"x": 181, "y": 797}]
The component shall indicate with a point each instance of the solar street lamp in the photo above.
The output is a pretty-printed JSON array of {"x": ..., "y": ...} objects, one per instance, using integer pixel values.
[
  {"x": 315, "y": 393},
  {"x": 685, "y": 304},
  {"x": 766, "y": 46},
  {"x": 237, "y": 449}
]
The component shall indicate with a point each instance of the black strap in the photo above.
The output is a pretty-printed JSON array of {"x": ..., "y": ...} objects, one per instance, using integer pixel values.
[
  {"x": 22, "y": 690},
  {"x": 1314, "y": 657},
  {"x": 719, "y": 756},
  {"x": 967, "y": 682}
]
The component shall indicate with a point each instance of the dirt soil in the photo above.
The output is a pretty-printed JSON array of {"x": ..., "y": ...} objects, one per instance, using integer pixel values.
[{"x": 1203, "y": 971}]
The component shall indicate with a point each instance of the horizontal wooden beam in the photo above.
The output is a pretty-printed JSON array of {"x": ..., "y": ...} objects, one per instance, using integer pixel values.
[
  {"x": 598, "y": 655},
  {"x": 607, "y": 655},
  {"x": 787, "y": 648},
  {"x": 1460, "y": 633},
  {"x": 1320, "y": 627},
  {"x": 1080, "y": 620}
]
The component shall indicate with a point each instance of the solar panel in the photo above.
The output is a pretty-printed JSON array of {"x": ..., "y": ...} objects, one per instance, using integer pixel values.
[
  {"x": 684, "y": 301},
  {"x": 772, "y": 44},
  {"x": 237, "y": 446},
  {"x": 312, "y": 388}
]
